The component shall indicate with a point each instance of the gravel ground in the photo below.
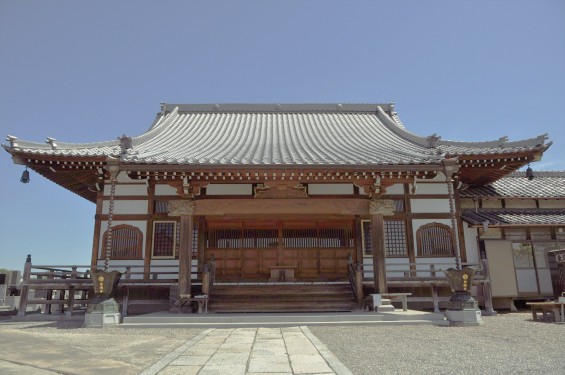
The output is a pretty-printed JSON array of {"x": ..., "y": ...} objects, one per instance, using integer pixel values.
[{"x": 505, "y": 344}]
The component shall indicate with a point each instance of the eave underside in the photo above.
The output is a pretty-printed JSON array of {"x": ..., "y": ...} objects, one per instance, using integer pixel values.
[{"x": 85, "y": 175}]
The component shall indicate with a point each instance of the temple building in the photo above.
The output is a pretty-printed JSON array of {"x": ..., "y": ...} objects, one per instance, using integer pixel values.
[{"x": 279, "y": 198}]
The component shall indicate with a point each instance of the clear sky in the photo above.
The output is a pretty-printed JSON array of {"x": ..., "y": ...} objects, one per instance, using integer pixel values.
[{"x": 83, "y": 71}]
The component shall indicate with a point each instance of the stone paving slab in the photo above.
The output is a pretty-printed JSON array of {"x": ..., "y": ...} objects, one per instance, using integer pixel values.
[{"x": 250, "y": 351}]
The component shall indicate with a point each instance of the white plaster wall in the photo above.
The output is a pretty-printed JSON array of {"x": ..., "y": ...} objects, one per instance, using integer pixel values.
[
  {"x": 424, "y": 188},
  {"x": 163, "y": 189},
  {"x": 491, "y": 203},
  {"x": 330, "y": 189},
  {"x": 120, "y": 265},
  {"x": 121, "y": 190},
  {"x": 142, "y": 225},
  {"x": 429, "y": 205},
  {"x": 159, "y": 265},
  {"x": 123, "y": 177},
  {"x": 423, "y": 266},
  {"x": 229, "y": 189},
  {"x": 551, "y": 203},
  {"x": 471, "y": 245},
  {"x": 467, "y": 203},
  {"x": 440, "y": 178},
  {"x": 395, "y": 267},
  {"x": 126, "y": 207},
  {"x": 395, "y": 189},
  {"x": 520, "y": 203}
]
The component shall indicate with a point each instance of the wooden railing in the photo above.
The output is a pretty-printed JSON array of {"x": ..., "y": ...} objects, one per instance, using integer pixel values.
[
  {"x": 74, "y": 284},
  {"x": 428, "y": 274},
  {"x": 355, "y": 275}
]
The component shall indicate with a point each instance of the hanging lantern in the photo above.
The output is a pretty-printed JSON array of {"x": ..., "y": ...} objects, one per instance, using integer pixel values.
[
  {"x": 530, "y": 173},
  {"x": 25, "y": 177}
]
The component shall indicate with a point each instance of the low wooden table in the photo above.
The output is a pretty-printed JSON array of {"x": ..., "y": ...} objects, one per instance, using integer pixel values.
[{"x": 545, "y": 307}]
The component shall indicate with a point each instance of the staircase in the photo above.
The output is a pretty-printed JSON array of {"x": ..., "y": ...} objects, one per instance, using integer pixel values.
[{"x": 282, "y": 298}]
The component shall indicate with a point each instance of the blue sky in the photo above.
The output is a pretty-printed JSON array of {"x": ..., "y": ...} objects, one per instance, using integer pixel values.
[{"x": 82, "y": 71}]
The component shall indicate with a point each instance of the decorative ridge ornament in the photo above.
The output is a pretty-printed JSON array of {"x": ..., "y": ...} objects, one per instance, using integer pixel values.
[
  {"x": 125, "y": 144},
  {"x": 433, "y": 140}
]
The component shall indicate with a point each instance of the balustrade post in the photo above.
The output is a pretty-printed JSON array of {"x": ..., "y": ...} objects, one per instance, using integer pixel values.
[
  {"x": 487, "y": 290},
  {"x": 359, "y": 284},
  {"x": 23, "y": 293},
  {"x": 206, "y": 279}
]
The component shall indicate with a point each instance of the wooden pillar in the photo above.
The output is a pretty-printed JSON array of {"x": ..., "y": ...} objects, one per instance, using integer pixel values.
[
  {"x": 378, "y": 208},
  {"x": 184, "y": 209},
  {"x": 185, "y": 254},
  {"x": 358, "y": 227}
]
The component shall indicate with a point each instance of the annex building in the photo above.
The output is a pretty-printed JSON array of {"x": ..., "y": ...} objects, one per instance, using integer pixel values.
[{"x": 299, "y": 207}]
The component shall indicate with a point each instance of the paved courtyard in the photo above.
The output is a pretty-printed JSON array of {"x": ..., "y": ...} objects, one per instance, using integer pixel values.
[{"x": 506, "y": 344}]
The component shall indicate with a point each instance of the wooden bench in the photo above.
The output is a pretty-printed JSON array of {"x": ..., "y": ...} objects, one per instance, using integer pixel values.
[
  {"x": 545, "y": 308},
  {"x": 394, "y": 297}
]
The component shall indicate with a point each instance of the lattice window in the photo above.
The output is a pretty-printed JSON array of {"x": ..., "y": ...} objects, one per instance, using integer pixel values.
[
  {"x": 165, "y": 238},
  {"x": 224, "y": 238},
  {"x": 127, "y": 241},
  {"x": 260, "y": 238},
  {"x": 161, "y": 207},
  {"x": 435, "y": 239},
  {"x": 336, "y": 237},
  {"x": 366, "y": 237},
  {"x": 399, "y": 205},
  {"x": 303, "y": 237},
  {"x": 292, "y": 238},
  {"x": 395, "y": 238}
]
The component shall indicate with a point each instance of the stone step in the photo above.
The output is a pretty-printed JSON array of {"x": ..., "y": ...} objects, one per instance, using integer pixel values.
[{"x": 170, "y": 320}]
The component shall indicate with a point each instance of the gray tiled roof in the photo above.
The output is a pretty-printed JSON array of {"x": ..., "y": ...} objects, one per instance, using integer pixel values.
[
  {"x": 543, "y": 185},
  {"x": 274, "y": 134},
  {"x": 515, "y": 216}
]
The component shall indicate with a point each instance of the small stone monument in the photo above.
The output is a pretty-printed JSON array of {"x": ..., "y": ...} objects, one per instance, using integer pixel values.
[
  {"x": 103, "y": 310},
  {"x": 462, "y": 308}
]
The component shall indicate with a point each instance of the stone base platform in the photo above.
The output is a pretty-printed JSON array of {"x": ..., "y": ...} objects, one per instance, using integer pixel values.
[{"x": 168, "y": 320}]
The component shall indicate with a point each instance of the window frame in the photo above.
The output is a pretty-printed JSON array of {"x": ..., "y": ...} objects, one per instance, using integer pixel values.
[
  {"x": 419, "y": 240},
  {"x": 363, "y": 237},
  {"x": 175, "y": 236},
  {"x": 138, "y": 251}
]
